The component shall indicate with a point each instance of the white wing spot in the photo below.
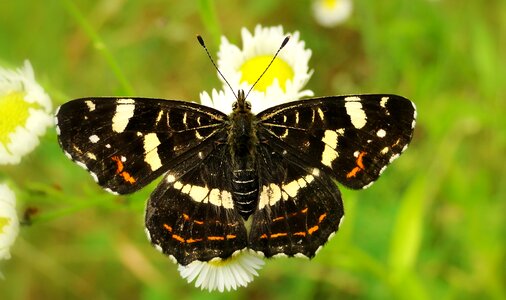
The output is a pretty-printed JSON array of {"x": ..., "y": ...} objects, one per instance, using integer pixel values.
[
  {"x": 94, "y": 176},
  {"x": 320, "y": 113},
  {"x": 124, "y": 111},
  {"x": 186, "y": 189},
  {"x": 81, "y": 165},
  {"x": 367, "y": 185},
  {"x": 285, "y": 134},
  {"x": 394, "y": 157},
  {"x": 383, "y": 101},
  {"x": 94, "y": 138},
  {"x": 111, "y": 191},
  {"x": 91, "y": 155},
  {"x": 108, "y": 146},
  {"x": 170, "y": 178},
  {"x": 381, "y": 133},
  {"x": 330, "y": 138},
  {"x": 90, "y": 104},
  {"x": 382, "y": 170},
  {"x": 184, "y": 119},
  {"x": 384, "y": 150},
  {"x": 328, "y": 156},
  {"x": 198, "y": 193},
  {"x": 159, "y": 117},
  {"x": 352, "y": 98},
  {"x": 151, "y": 142},
  {"x": 356, "y": 113},
  {"x": 203, "y": 194}
]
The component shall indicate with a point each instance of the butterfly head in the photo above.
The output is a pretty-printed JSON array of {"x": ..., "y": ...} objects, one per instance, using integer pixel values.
[{"x": 241, "y": 105}]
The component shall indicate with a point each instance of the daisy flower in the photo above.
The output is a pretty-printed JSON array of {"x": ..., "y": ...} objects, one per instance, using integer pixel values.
[
  {"x": 9, "y": 225},
  {"x": 25, "y": 113},
  {"x": 219, "y": 274},
  {"x": 285, "y": 79},
  {"x": 329, "y": 13}
]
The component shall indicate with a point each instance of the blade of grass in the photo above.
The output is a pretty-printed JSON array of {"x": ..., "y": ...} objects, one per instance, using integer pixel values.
[
  {"x": 210, "y": 20},
  {"x": 73, "y": 10},
  {"x": 408, "y": 230}
]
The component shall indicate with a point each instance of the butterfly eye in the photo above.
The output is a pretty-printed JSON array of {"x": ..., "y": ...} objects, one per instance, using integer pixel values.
[
  {"x": 248, "y": 105},
  {"x": 234, "y": 105}
]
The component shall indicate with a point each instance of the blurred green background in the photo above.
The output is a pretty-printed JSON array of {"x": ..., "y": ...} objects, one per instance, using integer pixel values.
[{"x": 432, "y": 227}]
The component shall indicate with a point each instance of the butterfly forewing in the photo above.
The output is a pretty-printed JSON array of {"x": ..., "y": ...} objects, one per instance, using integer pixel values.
[
  {"x": 125, "y": 143},
  {"x": 352, "y": 138}
]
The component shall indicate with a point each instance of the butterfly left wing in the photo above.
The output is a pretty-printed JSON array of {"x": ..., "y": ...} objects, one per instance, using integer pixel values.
[
  {"x": 299, "y": 206},
  {"x": 353, "y": 138},
  {"x": 125, "y": 143}
]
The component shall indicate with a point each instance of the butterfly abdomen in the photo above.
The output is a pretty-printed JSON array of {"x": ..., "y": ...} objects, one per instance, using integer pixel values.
[{"x": 243, "y": 142}]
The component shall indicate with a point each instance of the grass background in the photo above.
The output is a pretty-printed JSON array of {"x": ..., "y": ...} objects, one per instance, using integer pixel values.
[{"x": 433, "y": 227}]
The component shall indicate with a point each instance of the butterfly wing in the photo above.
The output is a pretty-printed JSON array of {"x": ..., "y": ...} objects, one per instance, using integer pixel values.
[
  {"x": 299, "y": 206},
  {"x": 353, "y": 138},
  {"x": 191, "y": 215},
  {"x": 125, "y": 143}
]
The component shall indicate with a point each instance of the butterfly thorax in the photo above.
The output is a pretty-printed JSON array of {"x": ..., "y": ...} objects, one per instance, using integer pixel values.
[{"x": 243, "y": 142}]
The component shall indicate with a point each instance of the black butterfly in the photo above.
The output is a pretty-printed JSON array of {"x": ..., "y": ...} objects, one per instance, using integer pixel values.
[{"x": 263, "y": 182}]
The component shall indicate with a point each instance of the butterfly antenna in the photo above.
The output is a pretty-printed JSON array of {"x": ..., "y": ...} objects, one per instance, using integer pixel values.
[
  {"x": 287, "y": 38},
  {"x": 201, "y": 42}
]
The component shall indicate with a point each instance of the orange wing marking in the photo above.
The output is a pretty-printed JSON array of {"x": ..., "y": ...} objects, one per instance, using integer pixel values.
[
  {"x": 359, "y": 167},
  {"x": 119, "y": 170}
]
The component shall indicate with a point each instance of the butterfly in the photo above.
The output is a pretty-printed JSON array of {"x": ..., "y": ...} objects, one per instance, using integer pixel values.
[{"x": 262, "y": 182}]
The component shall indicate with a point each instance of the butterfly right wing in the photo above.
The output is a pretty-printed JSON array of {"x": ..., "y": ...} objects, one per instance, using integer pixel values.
[{"x": 125, "y": 143}]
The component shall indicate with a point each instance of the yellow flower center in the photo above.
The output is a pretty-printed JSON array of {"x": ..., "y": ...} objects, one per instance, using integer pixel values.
[
  {"x": 330, "y": 4},
  {"x": 279, "y": 69},
  {"x": 14, "y": 112},
  {"x": 224, "y": 262},
  {"x": 3, "y": 222}
]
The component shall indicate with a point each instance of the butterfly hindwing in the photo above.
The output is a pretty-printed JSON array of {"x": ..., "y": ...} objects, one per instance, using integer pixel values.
[
  {"x": 299, "y": 206},
  {"x": 191, "y": 214},
  {"x": 353, "y": 138},
  {"x": 125, "y": 143}
]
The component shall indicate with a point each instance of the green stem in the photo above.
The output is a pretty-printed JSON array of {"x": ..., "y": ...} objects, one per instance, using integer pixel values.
[
  {"x": 210, "y": 19},
  {"x": 73, "y": 10}
]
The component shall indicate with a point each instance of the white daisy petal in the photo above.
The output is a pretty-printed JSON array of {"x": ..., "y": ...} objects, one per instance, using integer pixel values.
[
  {"x": 9, "y": 224},
  {"x": 25, "y": 113},
  {"x": 330, "y": 13},
  {"x": 221, "y": 275},
  {"x": 220, "y": 100}
]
